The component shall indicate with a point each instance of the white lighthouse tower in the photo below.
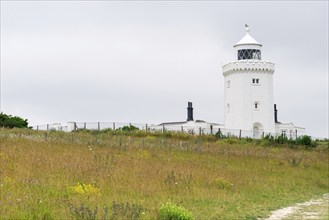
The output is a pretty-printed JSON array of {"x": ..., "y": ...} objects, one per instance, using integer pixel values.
[{"x": 248, "y": 90}]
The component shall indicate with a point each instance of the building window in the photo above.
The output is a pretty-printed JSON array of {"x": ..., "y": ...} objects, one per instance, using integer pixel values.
[
  {"x": 249, "y": 54},
  {"x": 255, "y": 81},
  {"x": 284, "y": 133},
  {"x": 228, "y": 108},
  {"x": 256, "y": 105},
  {"x": 228, "y": 84}
]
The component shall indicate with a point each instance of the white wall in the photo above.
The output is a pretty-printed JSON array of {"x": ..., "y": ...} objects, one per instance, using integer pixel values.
[
  {"x": 242, "y": 93},
  {"x": 290, "y": 129}
]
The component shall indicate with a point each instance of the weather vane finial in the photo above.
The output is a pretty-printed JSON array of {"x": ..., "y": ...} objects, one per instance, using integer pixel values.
[{"x": 247, "y": 28}]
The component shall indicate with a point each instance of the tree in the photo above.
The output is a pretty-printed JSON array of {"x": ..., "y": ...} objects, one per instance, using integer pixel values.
[{"x": 9, "y": 121}]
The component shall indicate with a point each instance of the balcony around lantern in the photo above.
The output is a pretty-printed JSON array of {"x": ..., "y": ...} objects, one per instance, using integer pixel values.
[{"x": 247, "y": 66}]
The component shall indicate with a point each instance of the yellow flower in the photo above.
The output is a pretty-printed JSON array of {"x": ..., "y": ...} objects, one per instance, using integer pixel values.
[{"x": 86, "y": 189}]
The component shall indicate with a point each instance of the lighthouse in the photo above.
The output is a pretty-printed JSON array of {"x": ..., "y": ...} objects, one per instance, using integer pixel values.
[
  {"x": 248, "y": 89},
  {"x": 248, "y": 99}
]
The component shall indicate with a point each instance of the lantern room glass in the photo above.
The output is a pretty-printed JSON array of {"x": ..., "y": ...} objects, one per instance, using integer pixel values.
[{"x": 249, "y": 54}]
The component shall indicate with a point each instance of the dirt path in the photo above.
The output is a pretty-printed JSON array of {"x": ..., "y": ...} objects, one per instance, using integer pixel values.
[{"x": 314, "y": 209}]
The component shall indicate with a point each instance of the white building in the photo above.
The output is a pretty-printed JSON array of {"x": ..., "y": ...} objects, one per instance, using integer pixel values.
[
  {"x": 248, "y": 89},
  {"x": 190, "y": 125},
  {"x": 248, "y": 94}
]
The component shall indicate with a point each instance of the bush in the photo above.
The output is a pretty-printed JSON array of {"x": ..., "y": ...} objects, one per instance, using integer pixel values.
[
  {"x": 9, "y": 121},
  {"x": 129, "y": 128},
  {"x": 283, "y": 140},
  {"x": 306, "y": 141},
  {"x": 171, "y": 211},
  {"x": 219, "y": 134}
]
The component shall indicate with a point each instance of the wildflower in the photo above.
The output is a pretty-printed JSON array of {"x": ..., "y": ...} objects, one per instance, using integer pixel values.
[{"x": 82, "y": 189}]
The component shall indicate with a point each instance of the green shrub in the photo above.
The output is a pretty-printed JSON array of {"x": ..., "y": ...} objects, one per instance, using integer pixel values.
[
  {"x": 306, "y": 141},
  {"x": 219, "y": 134},
  {"x": 9, "y": 121},
  {"x": 282, "y": 139},
  {"x": 129, "y": 128},
  {"x": 171, "y": 211}
]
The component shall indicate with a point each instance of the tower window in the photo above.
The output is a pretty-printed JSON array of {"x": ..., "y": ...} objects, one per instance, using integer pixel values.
[
  {"x": 256, "y": 105},
  {"x": 228, "y": 85},
  {"x": 255, "y": 81},
  {"x": 228, "y": 107}
]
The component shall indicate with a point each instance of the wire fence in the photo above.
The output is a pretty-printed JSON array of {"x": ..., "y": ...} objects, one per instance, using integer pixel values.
[
  {"x": 203, "y": 129},
  {"x": 50, "y": 127}
]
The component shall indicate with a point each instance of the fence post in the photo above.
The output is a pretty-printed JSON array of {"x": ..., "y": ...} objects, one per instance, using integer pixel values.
[
  {"x": 199, "y": 130},
  {"x": 240, "y": 134},
  {"x": 47, "y": 127},
  {"x": 146, "y": 128},
  {"x": 75, "y": 126},
  {"x": 37, "y": 127},
  {"x": 263, "y": 134},
  {"x": 163, "y": 128},
  {"x": 296, "y": 134},
  {"x": 219, "y": 133},
  {"x": 99, "y": 126},
  {"x": 84, "y": 125},
  {"x": 113, "y": 125},
  {"x": 211, "y": 129},
  {"x": 182, "y": 129}
]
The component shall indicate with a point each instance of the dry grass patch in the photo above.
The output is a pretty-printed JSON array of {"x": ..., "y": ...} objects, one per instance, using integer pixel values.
[{"x": 139, "y": 174}]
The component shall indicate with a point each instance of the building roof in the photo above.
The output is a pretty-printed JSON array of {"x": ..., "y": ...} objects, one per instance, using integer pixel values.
[
  {"x": 172, "y": 123},
  {"x": 185, "y": 122},
  {"x": 247, "y": 40}
]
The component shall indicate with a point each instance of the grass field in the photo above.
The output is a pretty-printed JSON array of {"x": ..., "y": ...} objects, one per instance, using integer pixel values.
[{"x": 57, "y": 175}]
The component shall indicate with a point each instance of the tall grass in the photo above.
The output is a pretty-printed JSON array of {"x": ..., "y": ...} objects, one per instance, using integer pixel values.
[{"x": 90, "y": 175}]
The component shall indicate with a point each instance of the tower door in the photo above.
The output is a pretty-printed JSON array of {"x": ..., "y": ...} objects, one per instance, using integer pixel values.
[{"x": 257, "y": 130}]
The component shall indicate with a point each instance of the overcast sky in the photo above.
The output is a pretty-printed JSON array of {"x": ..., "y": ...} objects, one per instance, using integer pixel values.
[{"x": 142, "y": 61}]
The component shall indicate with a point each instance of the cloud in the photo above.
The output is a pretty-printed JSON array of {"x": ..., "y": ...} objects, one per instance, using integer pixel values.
[{"x": 142, "y": 61}]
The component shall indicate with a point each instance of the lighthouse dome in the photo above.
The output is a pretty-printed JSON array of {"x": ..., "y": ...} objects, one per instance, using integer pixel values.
[
  {"x": 247, "y": 40},
  {"x": 248, "y": 48}
]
